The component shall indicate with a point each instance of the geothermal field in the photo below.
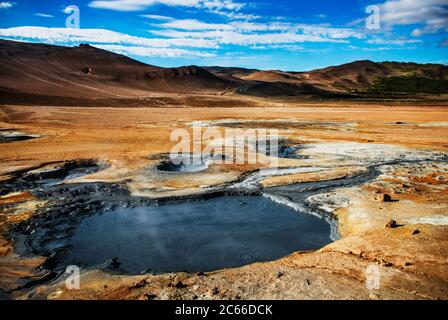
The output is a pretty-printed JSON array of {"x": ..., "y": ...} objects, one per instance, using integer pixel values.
[
  {"x": 84, "y": 186},
  {"x": 86, "y": 179}
]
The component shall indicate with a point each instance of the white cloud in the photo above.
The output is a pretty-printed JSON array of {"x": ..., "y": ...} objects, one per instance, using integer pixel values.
[
  {"x": 231, "y": 15},
  {"x": 222, "y": 4},
  {"x": 226, "y": 8},
  {"x": 44, "y": 15},
  {"x": 195, "y": 34},
  {"x": 98, "y": 36},
  {"x": 112, "y": 41},
  {"x": 191, "y": 24},
  {"x": 253, "y": 34},
  {"x": 156, "y": 17},
  {"x": 195, "y": 25},
  {"x": 289, "y": 47},
  {"x": 154, "y": 52},
  {"x": 6, "y": 5},
  {"x": 250, "y": 39},
  {"x": 432, "y": 15},
  {"x": 399, "y": 42},
  {"x": 138, "y": 5},
  {"x": 179, "y": 37}
]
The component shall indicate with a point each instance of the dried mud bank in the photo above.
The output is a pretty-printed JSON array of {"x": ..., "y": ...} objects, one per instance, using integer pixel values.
[{"x": 348, "y": 176}]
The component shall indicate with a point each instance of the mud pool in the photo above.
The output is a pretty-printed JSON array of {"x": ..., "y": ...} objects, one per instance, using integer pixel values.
[
  {"x": 184, "y": 165},
  {"x": 7, "y": 136},
  {"x": 205, "y": 235},
  {"x": 101, "y": 226}
]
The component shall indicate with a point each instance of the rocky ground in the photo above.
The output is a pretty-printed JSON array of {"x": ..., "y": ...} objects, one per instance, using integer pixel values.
[{"x": 396, "y": 220}]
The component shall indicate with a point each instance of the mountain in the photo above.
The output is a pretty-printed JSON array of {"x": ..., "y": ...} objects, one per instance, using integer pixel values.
[
  {"x": 230, "y": 71},
  {"x": 39, "y": 73},
  {"x": 365, "y": 76},
  {"x": 88, "y": 72}
]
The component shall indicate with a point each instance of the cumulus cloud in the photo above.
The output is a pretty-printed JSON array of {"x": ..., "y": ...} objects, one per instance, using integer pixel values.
[
  {"x": 138, "y": 5},
  {"x": 97, "y": 36},
  {"x": 253, "y": 34},
  {"x": 180, "y": 37},
  {"x": 189, "y": 33},
  {"x": 432, "y": 15},
  {"x": 229, "y": 9},
  {"x": 154, "y": 52},
  {"x": 113, "y": 41},
  {"x": 6, "y": 5},
  {"x": 241, "y": 26},
  {"x": 229, "y": 37},
  {"x": 226, "y": 8}
]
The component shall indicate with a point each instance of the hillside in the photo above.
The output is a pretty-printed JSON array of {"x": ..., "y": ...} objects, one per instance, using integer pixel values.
[
  {"x": 88, "y": 72},
  {"x": 363, "y": 76},
  {"x": 39, "y": 73}
]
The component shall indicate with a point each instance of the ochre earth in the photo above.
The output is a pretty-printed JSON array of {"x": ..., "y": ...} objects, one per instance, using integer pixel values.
[{"x": 412, "y": 258}]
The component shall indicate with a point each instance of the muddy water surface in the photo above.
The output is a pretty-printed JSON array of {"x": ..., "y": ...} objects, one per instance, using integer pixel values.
[{"x": 205, "y": 235}]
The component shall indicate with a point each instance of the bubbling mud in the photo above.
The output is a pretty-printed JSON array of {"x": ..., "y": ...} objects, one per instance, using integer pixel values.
[{"x": 184, "y": 164}]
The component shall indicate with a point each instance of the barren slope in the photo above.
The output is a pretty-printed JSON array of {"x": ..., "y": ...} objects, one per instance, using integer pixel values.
[{"x": 88, "y": 72}]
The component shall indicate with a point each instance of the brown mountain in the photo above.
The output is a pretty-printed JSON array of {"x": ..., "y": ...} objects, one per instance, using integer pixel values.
[
  {"x": 39, "y": 72},
  {"x": 359, "y": 76},
  {"x": 88, "y": 72},
  {"x": 230, "y": 71},
  {"x": 272, "y": 76}
]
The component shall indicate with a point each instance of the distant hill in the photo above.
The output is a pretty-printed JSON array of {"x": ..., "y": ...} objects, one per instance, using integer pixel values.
[
  {"x": 85, "y": 72},
  {"x": 363, "y": 76},
  {"x": 272, "y": 76},
  {"x": 88, "y": 72},
  {"x": 230, "y": 71}
]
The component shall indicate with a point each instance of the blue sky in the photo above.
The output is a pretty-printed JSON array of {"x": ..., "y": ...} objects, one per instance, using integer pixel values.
[{"x": 282, "y": 34}]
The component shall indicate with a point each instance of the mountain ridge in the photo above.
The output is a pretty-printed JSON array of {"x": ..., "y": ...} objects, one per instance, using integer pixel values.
[{"x": 88, "y": 72}]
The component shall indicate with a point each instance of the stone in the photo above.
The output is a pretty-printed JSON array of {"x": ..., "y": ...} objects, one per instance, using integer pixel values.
[
  {"x": 391, "y": 224},
  {"x": 178, "y": 284},
  {"x": 415, "y": 231},
  {"x": 139, "y": 284},
  {"x": 384, "y": 197},
  {"x": 114, "y": 263},
  {"x": 215, "y": 290},
  {"x": 147, "y": 296}
]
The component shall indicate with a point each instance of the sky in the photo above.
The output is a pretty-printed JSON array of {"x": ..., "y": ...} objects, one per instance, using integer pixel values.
[{"x": 290, "y": 35}]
